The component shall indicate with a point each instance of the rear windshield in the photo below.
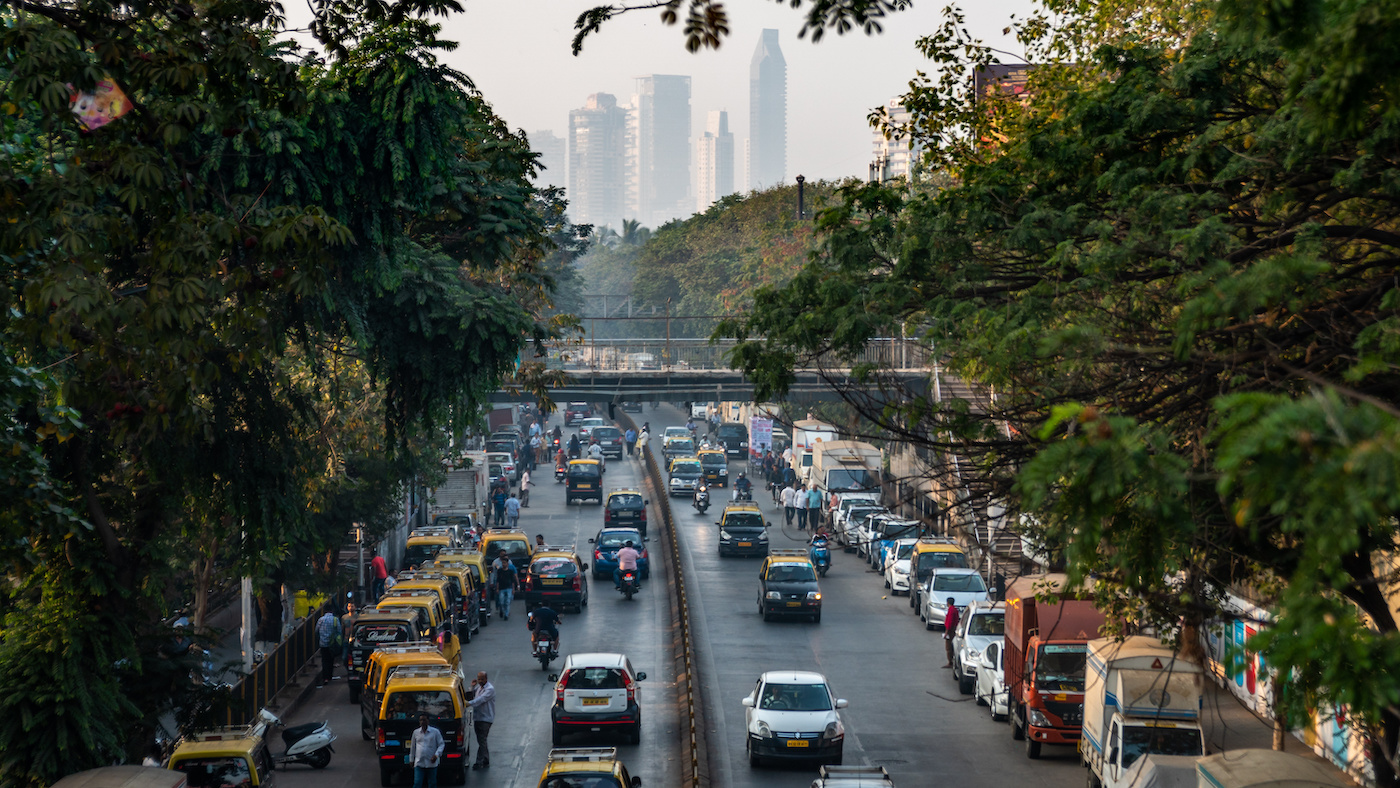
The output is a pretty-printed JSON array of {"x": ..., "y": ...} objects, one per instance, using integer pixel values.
[
  {"x": 941, "y": 560},
  {"x": 606, "y": 432},
  {"x": 587, "y": 470},
  {"x": 453, "y": 519},
  {"x": 502, "y": 447},
  {"x": 215, "y": 772},
  {"x": 379, "y": 634},
  {"x": 582, "y": 780},
  {"x": 971, "y": 583},
  {"x": 513, "y": 548},
  {"x": 594, "y": 679},
  {"x": 407, "y": 705},
  {"x": 987, "y": 624},
  {"x": 895, "y": 529},
  {"x": 744, "y": 520},
  {"x": 418, "y": 553},
  {"x": 625, "y": 501},
  {"x": 614, "y": 540},
  {"x": 732, "y": 431},
  {"x": 684, "y": 444},
  {"x": 554, "y": 567},
  {"x": 790, "y": 573}
]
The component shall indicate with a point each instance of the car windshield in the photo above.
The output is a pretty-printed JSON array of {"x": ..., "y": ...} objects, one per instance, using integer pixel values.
[
  {"x": 406, "y": 705},
  {"x": 903, "y": 551},
  {"x": 969, "y": 582},
  {"x": 215, "y": 772},
  {"x": 1060, "y": 668},
  {"x": 731, "y": 431},
  {"x": 594, "y": 422},
  {"x": 614, "y": 540},
  {"x": 941, "y": 560},
  {"x": 850, "y": 479},
  {"x": 678, "y": 432},
  {"x": 625, "y": 501},
  {"x": 713, "y": 461},
  {"x": 553, "y": 567},
  {"x": 513, "y": 548},
  {"x": 896, "y": 529},
  {"x": 795, "y": 697},
  {"x": 586, "y": 469},
  {"x": 791, "y": 573},
  {"x": 744, "y": 520},
  {"x": 987, "y": 624},
  {"x": 581, "y": 780},
  {"x": 686, "y": 469},
  {"x": 1138, "y": 742}
]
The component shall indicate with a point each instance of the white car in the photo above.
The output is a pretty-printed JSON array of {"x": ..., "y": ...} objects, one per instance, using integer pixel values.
[
  {"x": 585, "y": 427},
  {"x": 897, "y": 577},
  {"x": 791, "y": 715},
  {"x": 848, "y": 527},
  {"x": 963, "y": 586},
  {"x": 981, "y": 625},
  {"x": 675, "y": 432},
  {"x": 901, "y": 549},
  {"x": 506, "y": 463},
  {"x": 990, "y": 687},
  {"x": 595, "y": 692},
  {"x": 699, "y": 410},
  {"x": 845, "y": 502}
]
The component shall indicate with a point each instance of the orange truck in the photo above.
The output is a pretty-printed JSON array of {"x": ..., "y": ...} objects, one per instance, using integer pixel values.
[{"x": 1046, "y": 660}]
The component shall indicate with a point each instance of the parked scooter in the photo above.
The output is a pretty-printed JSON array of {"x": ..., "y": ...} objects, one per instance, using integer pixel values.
[
  {"x": 309, "y": 744},
  {"x": 701, "y": 501},
  {"x": 820, "y": 554},
  {"x": 631, "y": 583}
]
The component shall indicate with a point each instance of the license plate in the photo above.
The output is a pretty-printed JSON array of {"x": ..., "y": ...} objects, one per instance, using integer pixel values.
[
  {"x": 544, "y": 645},
  {"x": 595, "y": 701},
  {"x": 797, "y": 743},
  {"x": 585, "y": 486},
  {"x": 794, "y": 604},
  {"x": 554, "y": 582},
  {"x": 746, "y": 544}
]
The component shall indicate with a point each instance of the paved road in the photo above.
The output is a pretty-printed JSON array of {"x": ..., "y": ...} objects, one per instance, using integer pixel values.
[{"x": 520, "y": 739}]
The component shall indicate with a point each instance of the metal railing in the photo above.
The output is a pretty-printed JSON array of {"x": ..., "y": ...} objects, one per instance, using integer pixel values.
[
  {"x": 661, "y": 355},
  {"x": 277, "y": 670}
]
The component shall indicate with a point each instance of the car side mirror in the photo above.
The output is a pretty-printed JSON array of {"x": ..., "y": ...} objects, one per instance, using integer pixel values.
[
  {"x": 590, "y": 541},
  {"x": 554, "y": 677},
  {"x": 646, "y": 538},
  {"x": 585, "y": 566},
  {"x": 644, "y": 503},
  {"x": 747, "y": 702},
  {"x": 642, "y": 676},
  {"x": 988, "y": 663},
  {"x": 841, "y": 703},
  {"x": 636, "y": 782},
  {"x": 716, "y": 522}
]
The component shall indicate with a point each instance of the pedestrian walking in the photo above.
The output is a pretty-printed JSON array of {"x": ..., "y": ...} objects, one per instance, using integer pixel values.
[
  {"x": 787, "y": 497},
  {"x": 814, "y": 507},
  {"x": 327, "y": 634},
  {"x": 483, "y": 703},
  {"x": 504, "y": 571},
  {"x": 789, "y": 476},
  {"x": 512, "y": 511},
  {"x": 799, "y": 503},
  {"x": 425, "y": 752},
  {"x": 380, "y": 571},
  {"x": 629, "y": 437},
  {"x": 498, "y": 502},
  {"x": 775, "y": 483},
  {"x": 347, "y": 621},
  {"x": 525, "y": 490},
  {"x": 536, "y": 450},
  {"x": 950, "y": 623}
]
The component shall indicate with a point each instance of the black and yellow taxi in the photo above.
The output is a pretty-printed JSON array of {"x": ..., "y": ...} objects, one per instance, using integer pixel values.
[
  {"x": 432, "y": 616},
  {"x": 742, "y": 530},
  {"x": 413, "y": 691},
  {"x": 787, "y": 586},
  {"x": 467, "y": 594},
  {"x": 677, "y": 446},
  {"x": 584, "y": 481},
  {"x": 436, "y": 582},
  {"x": 930, "y": 553},
  {"x": 626, "y": 506},
  {"x": 382, "y": 663},
  {"x": 686, "y": 475},
  {"x": 424, "y": 544},
  {"x": 234, "y": 756},
  {"x": 586, "y": 767},
  {"x": 373, "y": 629},
  {"x": 472, "y": 559},
  {"x": 716, "y": 465},
  {"x": 513, "y": 543},
  {"x": 557, "y": 577}
]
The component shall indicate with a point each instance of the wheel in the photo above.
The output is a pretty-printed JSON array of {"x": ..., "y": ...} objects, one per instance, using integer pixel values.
[
  {"x": 556, "y": 735},
  {"x": 887, "y": 582},
  {"x": 822, "y": 571},
  {"x": 767, "y": 616},
  {"x": 459, "y": 775},
  {"x": 386, "y": 776},
  {"x": 965, "y": 685},
  {"x": 754, "y": 760},
  {"x": 911, "y": 599},
  {"x": 928, "y": 622},
  {"x": 627, "y": 592},
  {"x": 354, "y": 694},
  {"x": 319, "y": 759},
  {"x": 582, "y": 604},
  {"x": 817, "y": 619},
  {"x": 544, "y": 662},
  {"x": 995, "y": 717},
  {"x": 484, "y": 620},
  {"x": 836, "y": 761},
  {"x": 1017, "y": 732},
  {"x": 1032, "y": 749}
]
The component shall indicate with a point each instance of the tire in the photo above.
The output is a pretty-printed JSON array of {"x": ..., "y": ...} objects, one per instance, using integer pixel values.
[
  {"x": 320, "y": 759},
  {"x": 386, "y": 776},
  {"x": 1032, "y": 749},
  {"x": 556, "y": 736},
  {"x": 582, "y": 604},
  {"x": 928, "y": 622},
  {"x": 840, "y": 755},
  {"x": 459, "y": 777},
  {"x": 754, "y": 761},
  {"x": 627, "y": 592},
  {"x": 912, "y": 606},
  {"x": 634, "y": 734},
  {"x": 1017, "y": 732},
  {"x": 817, "y": 619},
  {"x": 887, "y": 583},
  {"x": 484, "y": 620},
  {"x": 965, "y": 685},
  {"x": 767, "y": 616}
]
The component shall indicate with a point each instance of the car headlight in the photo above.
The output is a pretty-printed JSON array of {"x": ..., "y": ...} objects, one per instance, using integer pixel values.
[
  {"x": 937, "y": 604},
  {"x": 743, "y": 444},
  {"x": 814, "y": 595},
  {"x": 763, "y": 537},
  {"x": 762, "y": 729},
  {"x": 1038, "y": 719},
  {"x": 899, "y": 570},
  {"x": 773, "y": 595},
  {"x": 674, "y": 481},
  {"x": 973, "y": 655},
  {"x": 723, "y": 472},
  {"x": 723, "y": 534},
  {"x": 833, "y": 730}
]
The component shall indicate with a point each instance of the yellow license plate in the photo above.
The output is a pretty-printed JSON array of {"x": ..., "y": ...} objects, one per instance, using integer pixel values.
[
  {"x": 595, "y": 701},
  {"x": 554, "y": 582},
  {"x": 794, "y": 604},
  {"x": 797, "y": 743},
  {"x": 585, "y": 486},
  {"x": 746, "y": 544}
]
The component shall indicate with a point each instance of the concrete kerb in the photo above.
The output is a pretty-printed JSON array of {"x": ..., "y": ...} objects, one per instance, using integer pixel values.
[{"x": 698, "y": 774}]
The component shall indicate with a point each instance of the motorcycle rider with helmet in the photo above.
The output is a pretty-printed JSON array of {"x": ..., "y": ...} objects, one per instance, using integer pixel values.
[
  {"x": 742, "y": 484},
  {"x": 543, "y": 622}
]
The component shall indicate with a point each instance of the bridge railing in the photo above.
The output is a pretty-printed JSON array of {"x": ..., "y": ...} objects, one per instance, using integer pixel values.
[{"x": 701, "y": 354}]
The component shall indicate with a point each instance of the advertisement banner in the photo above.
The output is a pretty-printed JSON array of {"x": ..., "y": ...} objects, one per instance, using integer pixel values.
[{"x": 760, "y": 435}]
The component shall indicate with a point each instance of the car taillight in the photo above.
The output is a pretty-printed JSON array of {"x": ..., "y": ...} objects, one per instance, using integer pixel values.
[
  {"x": 644, "y": 555},
  {"x": 607, "y": 515},
  {"x": 461, "y": 737},
  {"x": 597, "y": 555},
  {"x": 381, "y": 737},
  {"x": 559, "y": 689},
  {"x": 577, "y": 585},
  {"x": 644, "y": 515},
  {"x": 631, "y": 688}
]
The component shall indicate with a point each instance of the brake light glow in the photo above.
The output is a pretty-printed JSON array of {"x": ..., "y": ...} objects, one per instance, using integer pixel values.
[
  {"x": 559, "y": 689},
  {"x": 631, "y": 688},
  {"x": 577, "y": 585},
  {"x": 381, "y": 737},
  {"x": 597, "y": 555}
]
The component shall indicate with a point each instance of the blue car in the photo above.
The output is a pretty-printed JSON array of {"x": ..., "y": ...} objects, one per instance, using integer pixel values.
[{"x": 608, "y": 542}]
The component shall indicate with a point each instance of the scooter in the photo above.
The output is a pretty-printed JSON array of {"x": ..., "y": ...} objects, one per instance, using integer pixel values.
[
  {"x": 743, "y": 493},
  {"x": 821, "y": 556},
  {"x": 309, "y": 744},
  {"x": 560, "y": 473},
  {"x": 630, "y": 585},
  {"x": 545, "y": 650},
  {"x": 702, "y": 499}
]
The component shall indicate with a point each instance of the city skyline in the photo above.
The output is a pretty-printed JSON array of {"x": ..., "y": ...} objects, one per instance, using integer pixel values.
[{"x": 765, "y": 157}]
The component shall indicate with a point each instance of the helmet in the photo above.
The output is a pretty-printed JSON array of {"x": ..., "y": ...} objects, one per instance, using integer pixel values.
[{"x": 741, "y": 474}]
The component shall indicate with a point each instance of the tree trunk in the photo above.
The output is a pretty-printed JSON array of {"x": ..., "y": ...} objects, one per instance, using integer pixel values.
[
  {"x": 1384, "y": 751},
  {"x": 270, "y": 613}
]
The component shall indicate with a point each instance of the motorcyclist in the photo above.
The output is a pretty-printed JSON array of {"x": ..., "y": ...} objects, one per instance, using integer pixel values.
[
  {"x": 626, "y": 560},
  {"x": 561, "y": 460},
  {"x": 701, "y": 491},
  {"x": 690, "y": 425},
  {"x": 742, "y": 484},
  {"x": 543, "y": 621},
  {"x": 573, "y": 445},
  {"x": 595, "y": 452}
]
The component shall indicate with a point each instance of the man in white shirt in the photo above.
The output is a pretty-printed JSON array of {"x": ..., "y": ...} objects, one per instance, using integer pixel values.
[
  {"x": 595, "y": 452},
  {"x": 626, "y": 561},
  {"x": 425, "y": 753},
  {"x": 525, "y": 489},
  {"x": 789, "y": 503}
]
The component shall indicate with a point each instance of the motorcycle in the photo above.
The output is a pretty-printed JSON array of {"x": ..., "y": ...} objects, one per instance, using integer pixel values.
[
  {"x": 545, "y": 650},
  {"x": 560, "y": 473},
  {"x": 821, "y": 556},
  {"x": 743, "y": 493},
  {"x": 309, "y": 744},
  {"x": 631, "y": 584},
  {"x": 701, "y": 501}
]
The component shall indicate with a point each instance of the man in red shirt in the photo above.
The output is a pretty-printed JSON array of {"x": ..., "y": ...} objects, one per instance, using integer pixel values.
[
  {"x": 380, "y": 573},
  {"x": 950, "y": 623}
]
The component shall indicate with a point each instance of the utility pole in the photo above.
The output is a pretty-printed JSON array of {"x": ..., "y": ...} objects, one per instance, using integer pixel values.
[
  {"x": 668, "y": 331},
  {"x": 245, "y": 630},
  {"x": 801, "y": 208}
]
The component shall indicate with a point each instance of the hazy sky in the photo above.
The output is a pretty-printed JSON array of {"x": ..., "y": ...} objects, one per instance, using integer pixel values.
[{"x": 518, "y": 54}]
